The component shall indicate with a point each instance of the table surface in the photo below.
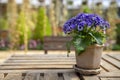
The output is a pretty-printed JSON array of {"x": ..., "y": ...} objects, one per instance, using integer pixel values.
[{"x": 55, "y": 67}]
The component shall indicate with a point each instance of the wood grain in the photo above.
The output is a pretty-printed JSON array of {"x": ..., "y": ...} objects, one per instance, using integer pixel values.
[
  {"x": 1, "y": 76},
  {"x": 55, "y": 67},
  {"x": 112, "y": 61},
  {"x": 51, "y": 76},
  {"x": 108, "y": 67},
  {"x": 109, "y": 78},
  {"x": 13, "y": 76},
  {"x": 91, "y": 78}
]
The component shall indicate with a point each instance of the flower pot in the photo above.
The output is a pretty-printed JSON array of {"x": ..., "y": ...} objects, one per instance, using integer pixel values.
[{"x": 90, "y": 59}]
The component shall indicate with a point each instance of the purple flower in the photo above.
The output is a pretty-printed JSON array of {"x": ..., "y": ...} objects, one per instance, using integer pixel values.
[
  {"x": 80, "y": 16},
  {"x": 69, "y": 25},
  {"x": 81, "y": 25},
  {"x": 80, "y": 28},
  {"x": 83, "y": 19},
  {"x": 104, "y": 25},
  {"x": 32, "y": 44}
]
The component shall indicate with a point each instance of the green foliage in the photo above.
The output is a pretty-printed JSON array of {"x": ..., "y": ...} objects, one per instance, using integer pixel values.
[
  {"x": 86, "y": 10},
  {"x": 3, "y": 24},
  {"x": 21, "y": 24},
  {"x": 118, "y": 34},
  {"x": 3, "y": 48},
  {"x": 81, "y": 40},
  {"x": 48, "y": 28},
  {"x": 34, "y": 19},
  {"x": 40, "y": 25},
  {"x": 39, "y": 29},
  {"x": 117, "y": 45},
  {"x": 39, "y": 47},
  {"x": 70, "y": 2}
]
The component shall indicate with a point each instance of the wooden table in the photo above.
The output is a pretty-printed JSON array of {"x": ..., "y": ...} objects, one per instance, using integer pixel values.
[{"x": 55, "y": 67}]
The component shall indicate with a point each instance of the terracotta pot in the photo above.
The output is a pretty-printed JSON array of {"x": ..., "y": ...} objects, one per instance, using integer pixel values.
[{"x": 90, "y": 59}]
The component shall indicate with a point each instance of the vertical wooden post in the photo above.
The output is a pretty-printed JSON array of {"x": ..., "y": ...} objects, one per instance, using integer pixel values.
[
  {"x": 53, "y": 19},
  {"x": 99, "y": 9},
  {"x": 12, "y": 16},
  {"x": 25, "y": 9},
  {"x": 112, "y": 17},
  {"x": 65, "y": 14},
  {"x": 44, "y": 6}
]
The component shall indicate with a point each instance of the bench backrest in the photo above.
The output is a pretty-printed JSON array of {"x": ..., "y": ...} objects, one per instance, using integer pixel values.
[{"x": 55, "y": 42}]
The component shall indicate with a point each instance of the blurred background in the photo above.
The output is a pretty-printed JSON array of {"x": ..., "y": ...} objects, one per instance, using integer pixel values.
[{"x": 24, "y": 23}]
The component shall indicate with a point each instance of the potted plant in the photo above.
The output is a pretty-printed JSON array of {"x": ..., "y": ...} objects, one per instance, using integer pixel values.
[{"x": 88, "y": 37}]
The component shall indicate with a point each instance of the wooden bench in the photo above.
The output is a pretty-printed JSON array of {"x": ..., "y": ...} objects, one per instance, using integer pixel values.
[
  {"x": 55, "y": 67},
  {"x": 56, "y": 43}
]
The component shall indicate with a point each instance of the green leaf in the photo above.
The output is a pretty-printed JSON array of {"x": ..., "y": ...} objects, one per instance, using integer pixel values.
[
  {"x": 97, "y": 37},
  {"x": 82, "y": 40},
  {"x": 81, "y": 43}
]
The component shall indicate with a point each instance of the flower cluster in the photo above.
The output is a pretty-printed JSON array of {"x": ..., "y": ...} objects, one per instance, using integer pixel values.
[
  {"x": 86, "y": 30},
  {"x": 83, "y": 20}
]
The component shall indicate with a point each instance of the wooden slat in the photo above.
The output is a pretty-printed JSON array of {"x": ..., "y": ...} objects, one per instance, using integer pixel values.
[
  {"x": 60, "y": 75},
  {"x": 64, "y": 54},
  {"x": 115, "y": 56},
  {"x": 107, "y": 66},
  {"x": 51, "y": 76},
  {"x": 57, "y": 38},
  {"x": 48, "y": 55},
  {"x": 41, "y": 58},
  {"x": 110, "y": 75},
  {"x": 110, "y": 79},
  {"x": 44, "y": 55},
  {"x": 70, "y": 76},
  {"x": 33, "y": 76},
  {"x": 102, "y": 69},
  {"x": 30, "y": 76},
  {"x": 91, "y": 78},
  {"x": 55, "y": 43},
  {"x": 13, "y": 76},
  {"x": 39, "y": 70},
  {"x": 51, "y": 68},
  {"x": 66, "y": 76},
  {"x": 1, "y": 76},
  {"x": 38, "y": 63},
  {"x": 112, "y": 61},
  {"x": 37, "y": 67},
  {"x": 74, "y": 76},
  {"x": 6, "y": 60},
  {"x": 39, "y": 77}
]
